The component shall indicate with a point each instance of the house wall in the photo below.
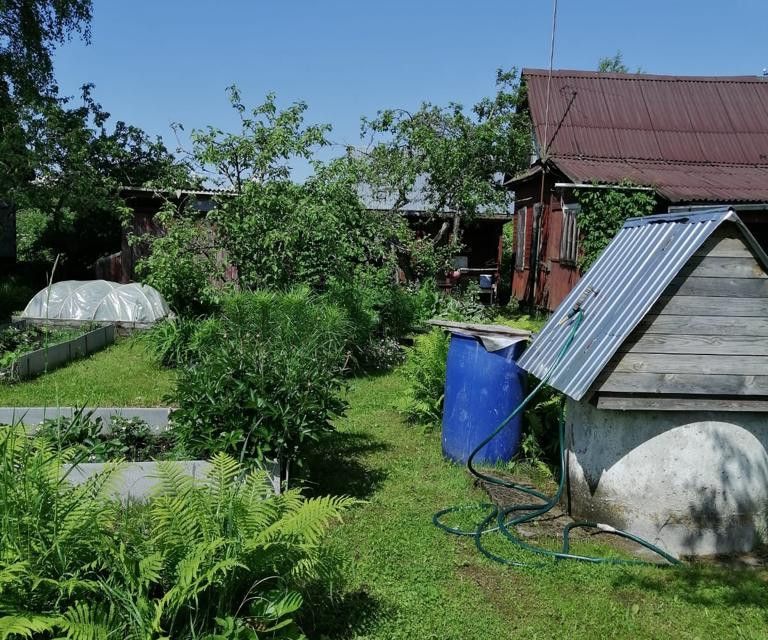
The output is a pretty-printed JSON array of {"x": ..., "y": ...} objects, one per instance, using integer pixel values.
[
  {"x": 554, "y": 279},
  {"x": 706, "y": 336},
  {"x": 692, "y": 482}
]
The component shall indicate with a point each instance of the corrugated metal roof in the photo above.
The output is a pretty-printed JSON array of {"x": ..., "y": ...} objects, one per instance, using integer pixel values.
[
  {"x": 628, "y": 278},
  {"x": 675, "y": 133},
  {"x": 416, "y": 200},
  {"x": 678, "y": 182}
]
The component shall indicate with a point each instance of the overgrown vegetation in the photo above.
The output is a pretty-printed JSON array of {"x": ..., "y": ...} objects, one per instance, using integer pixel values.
[
  {"x": 221, "y": 558},
  {"x": 92, "y": 440},
  {"x": 266, "y": 380},
  {"x": 425, "y": 371},
  {"x": 603, "y": 212}
]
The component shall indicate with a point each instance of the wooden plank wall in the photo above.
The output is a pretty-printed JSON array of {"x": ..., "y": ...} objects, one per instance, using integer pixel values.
[{"x": 708, "y": 333}]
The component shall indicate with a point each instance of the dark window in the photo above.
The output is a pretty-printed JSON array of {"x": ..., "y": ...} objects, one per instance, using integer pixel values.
[
  {"x": 569, "y": 241},
  {"x": 520, "y": 220}
]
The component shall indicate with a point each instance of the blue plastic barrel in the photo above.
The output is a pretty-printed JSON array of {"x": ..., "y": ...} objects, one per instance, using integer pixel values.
[{"x": 481, "y": 389}]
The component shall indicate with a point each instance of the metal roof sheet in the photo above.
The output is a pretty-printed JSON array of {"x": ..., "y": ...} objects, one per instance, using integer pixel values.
[
  {"x": 676, "y": 181},
  {"x": 601, "y": 126},
  {"x": 417, "y": 200},
  {"x": 627, "y": 278}
]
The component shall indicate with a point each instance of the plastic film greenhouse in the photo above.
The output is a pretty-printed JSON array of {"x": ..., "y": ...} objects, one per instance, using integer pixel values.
[{"x": 97, "y": 300}]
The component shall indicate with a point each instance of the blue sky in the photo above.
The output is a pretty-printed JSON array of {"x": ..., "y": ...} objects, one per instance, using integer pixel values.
[{"x": 162, "y": 61}]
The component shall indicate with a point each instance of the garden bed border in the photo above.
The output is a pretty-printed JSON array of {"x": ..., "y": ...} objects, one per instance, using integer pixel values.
[
  {"x": 33, "y": 363},
  {"x": 157, "y": 418},
  {"x": 123, "y": 328}
]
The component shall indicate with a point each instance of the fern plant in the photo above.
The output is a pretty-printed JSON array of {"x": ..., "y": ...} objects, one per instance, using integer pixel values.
[
  {"x": 425, "y": 370},
  {"x": 218, "y": 557}
]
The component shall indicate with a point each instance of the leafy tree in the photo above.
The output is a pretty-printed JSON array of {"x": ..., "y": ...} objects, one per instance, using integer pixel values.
[
  {"x": 277, "y": 233},
  {"x": 29, "y": 31},
  {"x": 61, "y": 165},
  {"x": 613, "y": 64},
  {"x": 268, "y": 139},
  {"x": 458, "y": 154},
  {"x": 77, "y": 163}
]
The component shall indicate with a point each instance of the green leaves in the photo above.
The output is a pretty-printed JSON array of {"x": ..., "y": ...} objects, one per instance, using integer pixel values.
[
  {"x": 213, "y": 557},
  {"x": 603, "y": 212},
  {"x": 457, "y": 154},
  {"x": 267, "y": 381},
  {"x": 268, "y": 139},
  {"x": 425, "y": 371}
]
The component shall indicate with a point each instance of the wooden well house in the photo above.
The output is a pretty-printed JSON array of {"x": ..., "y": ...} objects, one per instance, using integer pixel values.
[{"x": 667, "y": 383}]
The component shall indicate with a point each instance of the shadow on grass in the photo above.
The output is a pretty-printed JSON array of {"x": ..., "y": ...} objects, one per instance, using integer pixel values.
[
  {"x": 704, "y": 585},
  {"x": 347, "y": 616},
  {"x": 335, "y": 466}
]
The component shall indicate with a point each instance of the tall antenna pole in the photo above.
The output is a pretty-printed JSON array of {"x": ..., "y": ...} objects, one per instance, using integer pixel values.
[
  {"x": 545, "y": 142},
  {"x": 539, "y": 208}
]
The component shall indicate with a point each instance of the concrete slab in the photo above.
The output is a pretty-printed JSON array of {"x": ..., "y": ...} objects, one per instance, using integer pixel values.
[
  {"x": 138, "y": 480},
  {"x": 156, "y": 417}
]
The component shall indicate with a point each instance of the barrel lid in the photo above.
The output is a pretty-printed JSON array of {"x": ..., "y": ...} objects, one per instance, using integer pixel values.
[{"x": 493, "y": 336}]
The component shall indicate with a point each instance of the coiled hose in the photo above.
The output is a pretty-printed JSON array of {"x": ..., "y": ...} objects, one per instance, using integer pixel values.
[{"x": 505, "y": 518}]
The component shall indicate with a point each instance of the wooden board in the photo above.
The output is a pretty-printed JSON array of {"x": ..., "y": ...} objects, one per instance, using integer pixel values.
[
  {"x": 711, "y": 306},
  {"x": 680, "y": 403},
  {"x": 697, "y": 344},
  {"x": 719, "y": 287},
  {"x": 704, "y": 325},
  {"x": 723, "y": 267},
  {"x": 720, "y": 245},
  {"x": 685, "y": 383},
  {"x": 701, "y": 364}
]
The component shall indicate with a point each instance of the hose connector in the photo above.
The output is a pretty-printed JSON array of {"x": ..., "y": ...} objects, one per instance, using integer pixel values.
[{"x": 577, "y": 305}]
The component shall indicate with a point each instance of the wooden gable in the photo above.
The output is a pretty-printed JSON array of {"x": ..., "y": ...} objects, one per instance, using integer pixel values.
[{"x": 704, "y": 344}]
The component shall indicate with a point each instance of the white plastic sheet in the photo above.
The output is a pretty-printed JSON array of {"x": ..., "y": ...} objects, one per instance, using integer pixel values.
[{"x": 97, "y": 300}]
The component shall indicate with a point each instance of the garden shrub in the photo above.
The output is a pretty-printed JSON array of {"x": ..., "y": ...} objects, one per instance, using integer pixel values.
[
  {"x": 216, "y": 558},
  {"x": 425, "y": 371},
  {"x": 183, "y": 265},
  {"x": 129, "y": 439},
  {"x": 266, "y": 381},
  {"x": 382, "y": 313},
  {"x": 169, "y": 340}
]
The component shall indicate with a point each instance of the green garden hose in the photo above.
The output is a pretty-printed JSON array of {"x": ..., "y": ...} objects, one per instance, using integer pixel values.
[{"x": 504, "y": 520}]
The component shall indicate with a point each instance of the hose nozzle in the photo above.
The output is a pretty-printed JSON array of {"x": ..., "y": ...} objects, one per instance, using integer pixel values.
[{"x": 577, "y": 305}]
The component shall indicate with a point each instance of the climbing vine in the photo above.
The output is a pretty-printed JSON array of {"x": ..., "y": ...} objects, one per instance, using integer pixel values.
[{"x": 603, "y": 212}]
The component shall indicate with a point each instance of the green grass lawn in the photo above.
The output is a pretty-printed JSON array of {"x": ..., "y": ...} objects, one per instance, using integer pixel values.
[
  {"x": 122, "y": 375},
  {"x": 408, "y": 580}
]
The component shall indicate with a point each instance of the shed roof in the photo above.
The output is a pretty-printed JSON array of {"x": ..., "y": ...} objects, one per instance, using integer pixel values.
[
  {"x": 627, "y": 278},
  {"x": 692, "y": 138},
  {"x": 417, "y": 200}
]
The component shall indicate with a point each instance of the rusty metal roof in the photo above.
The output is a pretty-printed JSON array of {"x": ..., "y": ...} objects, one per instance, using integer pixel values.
[
  {"x": 627, "y": 279},
  {"x": 692, "y": 138}
]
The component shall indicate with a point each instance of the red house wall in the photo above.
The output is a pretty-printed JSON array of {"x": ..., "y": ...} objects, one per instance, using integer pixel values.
[{"x": 555, "y": 280}]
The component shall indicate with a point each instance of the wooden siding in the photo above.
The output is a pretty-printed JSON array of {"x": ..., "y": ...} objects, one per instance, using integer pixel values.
[
  {"x": 706, "y": 336},
  {"x": 679, "y": 403},
  {"x": 555, "y": 279}
]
